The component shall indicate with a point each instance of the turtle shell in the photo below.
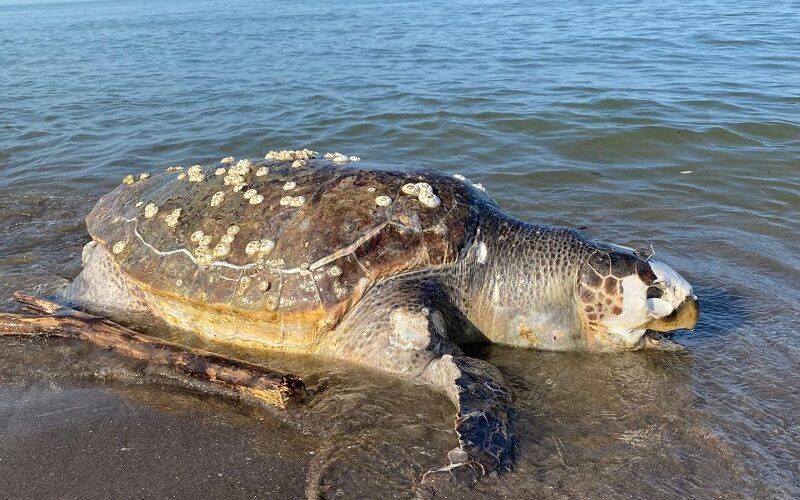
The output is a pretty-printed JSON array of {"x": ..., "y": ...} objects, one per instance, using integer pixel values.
[{"x": 291, "y": 244}]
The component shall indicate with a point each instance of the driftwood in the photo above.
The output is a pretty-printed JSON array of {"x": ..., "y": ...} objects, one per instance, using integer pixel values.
[{"x": 248, "y": 379}]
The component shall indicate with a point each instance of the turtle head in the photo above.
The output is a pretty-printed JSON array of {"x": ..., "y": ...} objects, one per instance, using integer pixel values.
[{"x": 624, "y": 294}]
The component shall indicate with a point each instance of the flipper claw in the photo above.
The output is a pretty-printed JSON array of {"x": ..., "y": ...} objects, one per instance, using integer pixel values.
[{"x": 460, "y": 461}]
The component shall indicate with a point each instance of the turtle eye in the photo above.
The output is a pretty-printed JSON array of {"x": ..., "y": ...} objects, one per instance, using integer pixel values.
[{"x": 653, "y": 292}]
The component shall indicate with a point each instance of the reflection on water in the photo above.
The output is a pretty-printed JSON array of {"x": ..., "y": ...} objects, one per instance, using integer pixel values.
[{"x": 639, "y": 122}]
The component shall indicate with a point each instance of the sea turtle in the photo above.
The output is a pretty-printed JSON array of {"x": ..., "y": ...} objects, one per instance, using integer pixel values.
[{"x": 387, "y": 267}]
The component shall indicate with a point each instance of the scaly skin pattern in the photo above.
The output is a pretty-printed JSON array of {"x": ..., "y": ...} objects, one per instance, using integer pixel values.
[{"x": 390, "y": 268}]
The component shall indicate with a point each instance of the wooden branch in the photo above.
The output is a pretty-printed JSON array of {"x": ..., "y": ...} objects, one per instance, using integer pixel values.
[
  {"x": 263, "y": 384},
  {"x": 38, "y": 304}
]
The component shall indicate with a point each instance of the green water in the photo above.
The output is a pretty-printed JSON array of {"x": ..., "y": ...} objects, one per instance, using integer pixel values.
[{"x": 671, "y": 123}]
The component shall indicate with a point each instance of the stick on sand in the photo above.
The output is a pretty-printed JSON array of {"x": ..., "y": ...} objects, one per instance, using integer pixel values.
[{"x": 55, "y": 320}]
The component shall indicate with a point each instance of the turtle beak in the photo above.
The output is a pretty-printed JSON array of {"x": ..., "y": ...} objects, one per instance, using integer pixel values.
[{"x": 684, "y": 316}]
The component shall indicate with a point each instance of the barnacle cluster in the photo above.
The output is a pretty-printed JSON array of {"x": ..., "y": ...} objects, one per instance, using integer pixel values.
[
  {"x": 119, "y": 247},
  {"x": 217, "y": 198},
  {"x": 383, "y": 201},
  {"x": 424, "y": 193},
  {"x": 289, "y": 154},
  {"x": 195, "y": 173},
  {"x": 150, "y": 210},
  {"x": 172, "y": 219},
  {"x": 259, "y": 248},
  {"x": 341, "y": 158}
]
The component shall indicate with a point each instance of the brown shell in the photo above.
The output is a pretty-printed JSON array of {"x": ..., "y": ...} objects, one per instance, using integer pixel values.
[{"x": 339, "y": 227}]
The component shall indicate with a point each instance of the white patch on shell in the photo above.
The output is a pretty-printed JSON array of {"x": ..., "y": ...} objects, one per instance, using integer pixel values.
[
  {"x": 128, "y": 179},
  {"x": 143, "y": 176},
  {"x": 181, "y": 176},
  {"x": 227, "y": 238},
  {"x": 355, "y": 158},
  {"x": 139, "y": 204},
  {"x": 233, "y": 230},
  {"x": 220, "y": 171},
  {"x": 459, "y": 177},
  {"x": 227, "y": 160},
  {"x": 285, "y": 201},
  {"x": 479, "y": 186},
  {"x": 383, "y": 201},
  {"x": 174, "y": 168},
  {"x": 335, "y": 271},
  {"x": 298, "y": 164},
  {"x": 297, "y": 201},
  {"x": 119, "y": 247},
  {"x": 257, "y": 199},
  {"x": 410, "y": 189},
  {"x": 289, "y": 185},
  {"x": 262, "y": 172},
  {"x": 250, "y": 193},
  {"x": 197, "y": 236},
  {"x": 195, "y": 173},
  {"x": 150, "y": 211},
  {"x": 217, "y": 198}
]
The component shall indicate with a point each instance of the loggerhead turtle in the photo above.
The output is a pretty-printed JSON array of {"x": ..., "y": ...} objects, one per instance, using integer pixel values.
[{"x": 385, "y": 267}]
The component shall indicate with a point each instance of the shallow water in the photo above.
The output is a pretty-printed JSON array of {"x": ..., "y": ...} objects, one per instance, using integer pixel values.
[{"x": 584, "y": 115}]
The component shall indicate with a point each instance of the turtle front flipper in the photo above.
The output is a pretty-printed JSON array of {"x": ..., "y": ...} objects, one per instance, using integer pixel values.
[
  {"x": 484, "y": 419},
  {"x": 406, "y": 326}
]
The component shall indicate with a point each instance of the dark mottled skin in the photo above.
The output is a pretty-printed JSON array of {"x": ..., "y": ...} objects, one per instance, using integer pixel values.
[{"x": 398, "y": 288}]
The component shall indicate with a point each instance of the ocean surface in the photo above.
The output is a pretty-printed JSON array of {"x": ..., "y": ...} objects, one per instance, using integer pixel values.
[{"x": 675, "y": 124}]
